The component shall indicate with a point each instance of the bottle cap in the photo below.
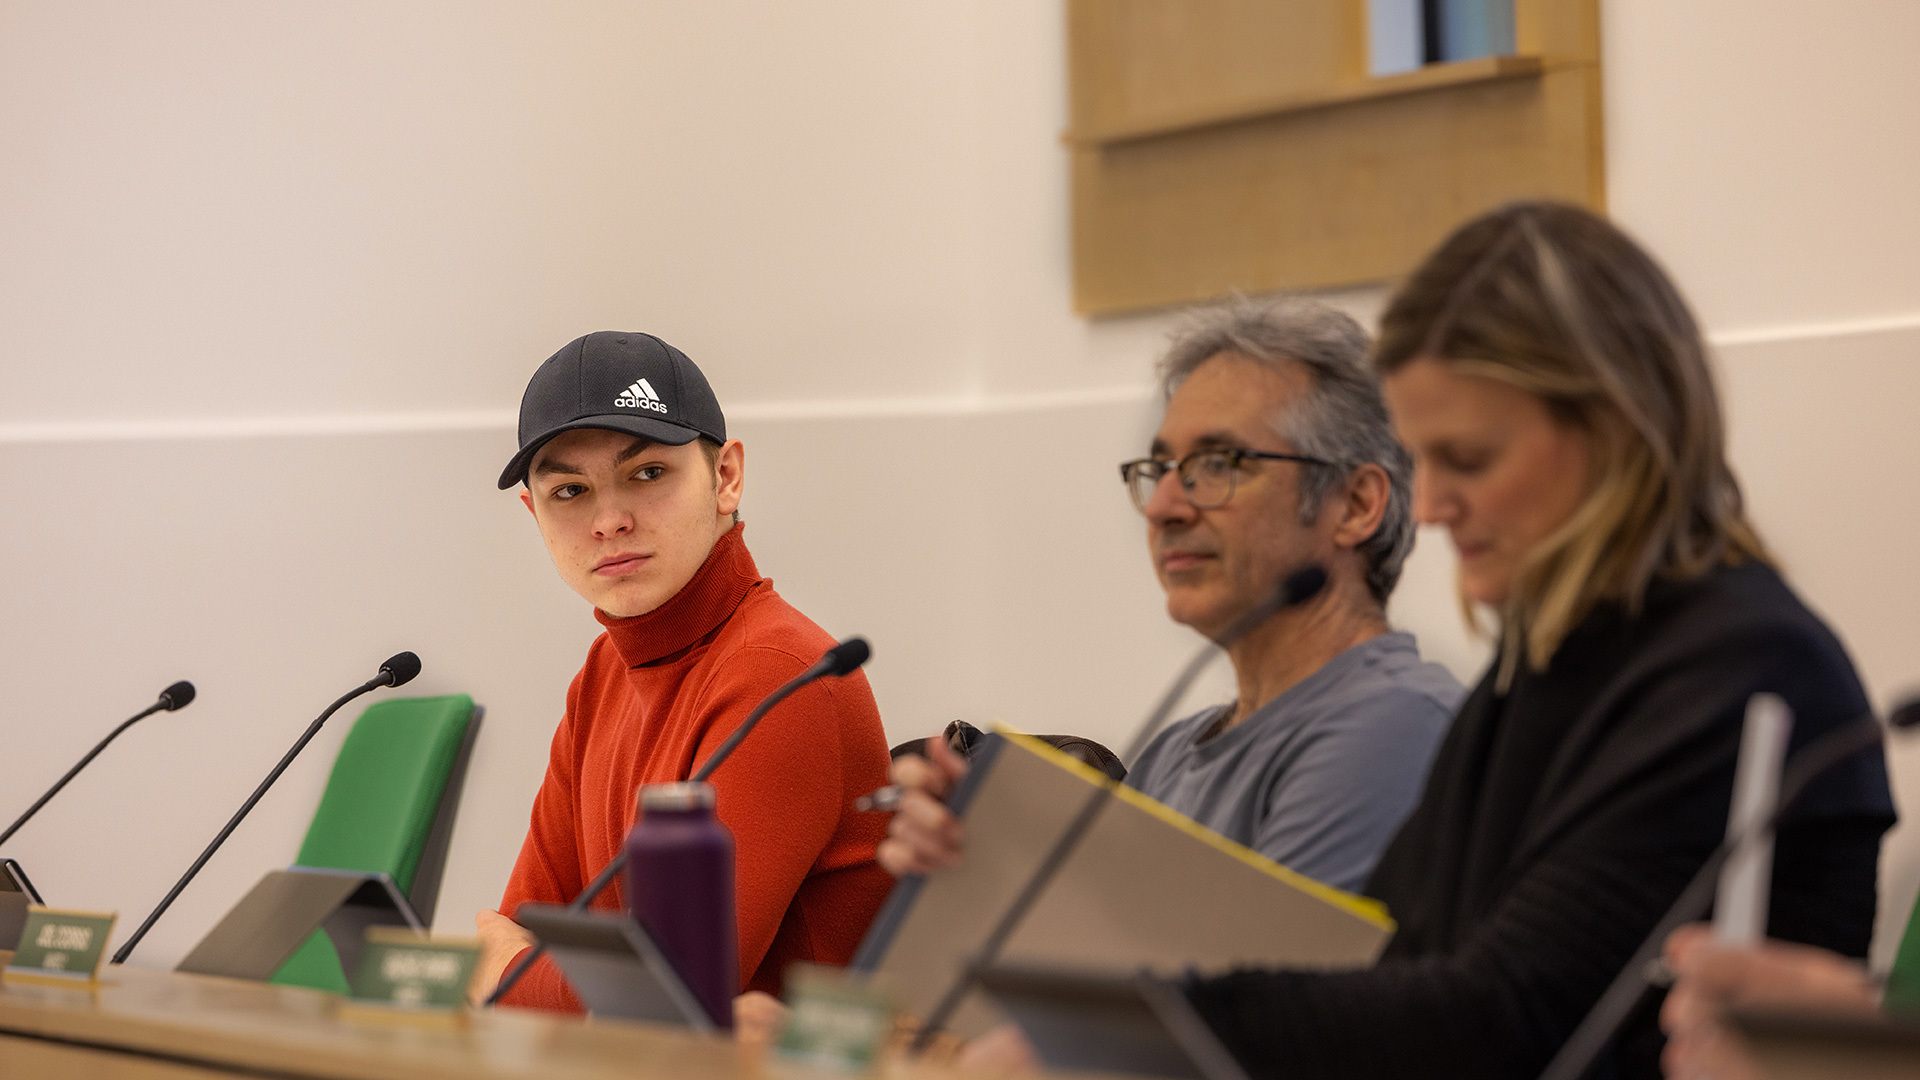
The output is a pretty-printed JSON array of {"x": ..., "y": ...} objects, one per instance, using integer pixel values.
[{"x": 681, "y": 795}]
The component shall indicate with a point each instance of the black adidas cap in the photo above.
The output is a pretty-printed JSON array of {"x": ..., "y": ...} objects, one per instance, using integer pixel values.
[{"x": 621, "y": 381}]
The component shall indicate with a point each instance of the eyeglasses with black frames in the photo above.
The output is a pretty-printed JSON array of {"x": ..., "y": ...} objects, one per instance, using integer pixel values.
[{"x": 1206, "y": 476}]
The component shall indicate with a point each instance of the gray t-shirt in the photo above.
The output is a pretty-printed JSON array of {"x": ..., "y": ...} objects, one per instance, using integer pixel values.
[{"x": 1319, "y": 778}]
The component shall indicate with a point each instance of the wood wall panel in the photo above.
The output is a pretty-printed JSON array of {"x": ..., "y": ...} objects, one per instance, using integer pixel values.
[
  {"x": 1134, "y": 57},
  {"x": 1207, "y": 191}
]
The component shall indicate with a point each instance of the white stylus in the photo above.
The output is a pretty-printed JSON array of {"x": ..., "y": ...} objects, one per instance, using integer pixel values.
[{"x": 1740, "y": 907}]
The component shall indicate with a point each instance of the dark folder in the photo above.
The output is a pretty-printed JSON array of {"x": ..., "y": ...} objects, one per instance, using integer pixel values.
[
  {"x": 614, "y": 966},
  {"x": 1133, "y": 1025},
  {"x": 16, "y": 894},
  {"x": 286, "y": 907}
]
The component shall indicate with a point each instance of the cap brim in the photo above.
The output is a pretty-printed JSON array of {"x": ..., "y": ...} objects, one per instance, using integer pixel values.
[{"x": 660, "y": 431}]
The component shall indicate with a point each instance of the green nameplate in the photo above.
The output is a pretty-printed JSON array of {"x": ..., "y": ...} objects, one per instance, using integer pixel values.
[
  {"x": 400, "y": 968},
  {"x": 838, "y": 1020},
  {"x": 63, "y": 947}
]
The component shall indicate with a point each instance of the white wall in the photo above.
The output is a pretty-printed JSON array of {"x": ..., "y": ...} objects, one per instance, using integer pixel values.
[
  {"x": 1765, "y": 151},
  {"x": 275, "y": 274}
]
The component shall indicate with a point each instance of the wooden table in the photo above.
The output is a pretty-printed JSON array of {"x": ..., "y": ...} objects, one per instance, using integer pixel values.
[
  {"x": 1789, "y": 1044},
  {"x": 142, "y": 1024}
]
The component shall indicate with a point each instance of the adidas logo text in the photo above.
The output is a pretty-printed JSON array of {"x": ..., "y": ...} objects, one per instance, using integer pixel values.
[{"x": 640, "y": 395}]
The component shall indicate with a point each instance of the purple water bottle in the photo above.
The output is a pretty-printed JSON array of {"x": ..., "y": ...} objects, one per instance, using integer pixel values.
[{"x": 680, "y": 888}]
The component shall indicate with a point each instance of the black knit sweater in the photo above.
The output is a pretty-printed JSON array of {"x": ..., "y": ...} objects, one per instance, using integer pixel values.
[{"x": 1560, "y": 821}]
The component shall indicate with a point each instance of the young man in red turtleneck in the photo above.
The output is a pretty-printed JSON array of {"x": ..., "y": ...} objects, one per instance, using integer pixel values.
[{"x": 635, "y": 487}]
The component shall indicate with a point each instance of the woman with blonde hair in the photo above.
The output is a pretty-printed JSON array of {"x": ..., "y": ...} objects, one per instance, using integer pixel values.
[{"x": 1554, "y": 391}]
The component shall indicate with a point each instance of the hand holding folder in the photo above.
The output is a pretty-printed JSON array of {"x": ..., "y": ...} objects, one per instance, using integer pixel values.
[{"x": 1146, "y": 887}]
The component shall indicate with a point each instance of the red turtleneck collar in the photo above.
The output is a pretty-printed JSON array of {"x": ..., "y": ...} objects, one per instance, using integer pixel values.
[{"x": 705, "y": 602}]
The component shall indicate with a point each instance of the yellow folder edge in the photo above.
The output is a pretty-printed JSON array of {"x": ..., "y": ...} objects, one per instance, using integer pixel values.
[{"x": 1360, "y": 907}]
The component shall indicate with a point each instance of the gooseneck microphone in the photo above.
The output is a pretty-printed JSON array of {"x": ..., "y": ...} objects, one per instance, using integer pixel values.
[
  {"x": 398, "y": 670},
  {"x": 1297, "y": 588},
  {"x": 843, "y": 659},
  {"x": 1602, "y": 1022},
  {"x": 173, "y": 697}
]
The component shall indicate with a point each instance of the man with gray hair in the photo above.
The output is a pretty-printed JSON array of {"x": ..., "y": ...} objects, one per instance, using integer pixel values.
[{"x": 1274, "y": 453}]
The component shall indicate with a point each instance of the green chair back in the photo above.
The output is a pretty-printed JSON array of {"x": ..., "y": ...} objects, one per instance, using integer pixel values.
[
  {"x": 388, "y": 808},
  {"x": 1903, "y": 980}
]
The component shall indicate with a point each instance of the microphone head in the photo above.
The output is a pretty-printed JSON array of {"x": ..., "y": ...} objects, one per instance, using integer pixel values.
[
  {"x": 846, "y": 657},
  {"x": 177, "y": 696},
  {"x": 400, "y": 668},
  {"x": 1295, "y": 589},
  {"x": 1302, "y": 585},
  {"x": 1905, "y": 715}
]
